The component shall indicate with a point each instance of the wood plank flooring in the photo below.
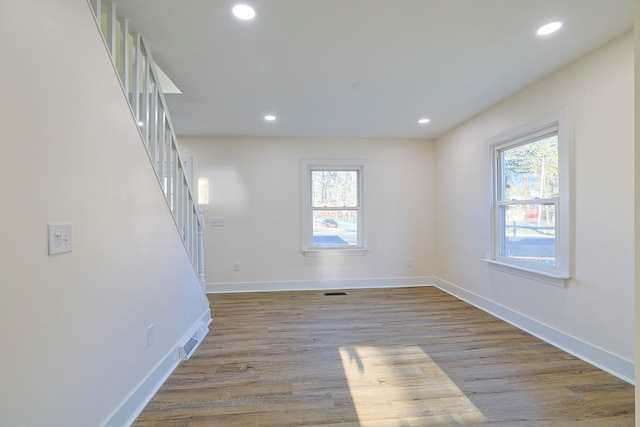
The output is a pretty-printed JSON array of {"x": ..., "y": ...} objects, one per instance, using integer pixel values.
[{"x": 379, "y": 358}]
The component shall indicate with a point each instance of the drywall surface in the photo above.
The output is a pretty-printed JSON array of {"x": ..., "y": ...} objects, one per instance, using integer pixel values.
[
  {"x": 597, "y": 304},
  {"x": 255, "y": 186},
  {"x": 637, "y": 197},
  {"x": 74, "y": 325}
]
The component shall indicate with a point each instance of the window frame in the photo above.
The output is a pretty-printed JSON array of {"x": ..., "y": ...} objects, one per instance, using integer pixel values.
[
  {"x": 556, "y": 123},
  {"x": 306, "y": 220}
]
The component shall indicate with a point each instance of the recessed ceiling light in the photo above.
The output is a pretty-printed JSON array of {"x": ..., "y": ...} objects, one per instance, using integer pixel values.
[
  {"x": 549, "y": 28},
  {"x": 424, "y": 121},
  {"x": 140, "y": 124},
  {"x": 269, "y": 117},
  {"x": 243, "y": 11}
]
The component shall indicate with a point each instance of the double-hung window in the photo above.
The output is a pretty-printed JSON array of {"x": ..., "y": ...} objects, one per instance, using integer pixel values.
[
  {"x": 531, "y": 212},
  {"x": 333, "y": 216}
]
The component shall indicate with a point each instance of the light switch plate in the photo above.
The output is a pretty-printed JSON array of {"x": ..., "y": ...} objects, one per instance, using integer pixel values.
[
  {"x": 151, "y": 334},
  {"x": 216, "y": 222},
  {"x": 60, "y": 238}
]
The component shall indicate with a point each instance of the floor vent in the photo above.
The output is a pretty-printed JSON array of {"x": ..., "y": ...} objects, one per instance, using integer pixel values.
[
  {"x": 333, "y": 294},
  {"x": 188, "y": 348}
]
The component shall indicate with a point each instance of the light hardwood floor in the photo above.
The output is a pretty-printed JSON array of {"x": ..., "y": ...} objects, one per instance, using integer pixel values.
[{"x": 378, "y": 358}]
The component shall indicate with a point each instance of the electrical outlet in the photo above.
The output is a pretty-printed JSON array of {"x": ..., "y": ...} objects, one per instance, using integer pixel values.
[
  {"x": 236, "y": 266},
  {"x": 409, "y": 262}
]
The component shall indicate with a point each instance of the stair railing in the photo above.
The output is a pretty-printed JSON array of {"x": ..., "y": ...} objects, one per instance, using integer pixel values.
[{"x": 139, "y": 78}]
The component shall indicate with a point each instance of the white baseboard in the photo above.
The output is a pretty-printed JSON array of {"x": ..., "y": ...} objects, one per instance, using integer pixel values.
[
  {"x": 313, "y": 285},
  {"x": 127, "y": 412},
  {"x": 602, "y": 359}
]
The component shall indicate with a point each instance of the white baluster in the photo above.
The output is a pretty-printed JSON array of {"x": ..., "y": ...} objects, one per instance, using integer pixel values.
[
  {"x": 146, "y": 84},
  {"x": 153, "y": 125},
  {"x": 167, "y": 147},
  {"x": 172, "y": 179},
  {"x": 161, "y": 151},
  {"x": 176, "y": 177},
  {"x": 111, "y": 29},
  {"x": 124, "y": 53},
  {"x": 137, "y": 77},
  {"x": 97, "y": 11}
]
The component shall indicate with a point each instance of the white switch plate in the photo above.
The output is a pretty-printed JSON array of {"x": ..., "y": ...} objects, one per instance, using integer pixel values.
[
  {"x": 216, "y": 222},
  {"x": 60, "y": 238},
  {"x": 151, "y": 334}
]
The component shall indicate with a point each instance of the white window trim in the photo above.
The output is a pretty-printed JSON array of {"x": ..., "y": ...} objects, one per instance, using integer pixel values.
[
  {"x": 559, "y": 274},
  {"x": 307, "y": 224}
]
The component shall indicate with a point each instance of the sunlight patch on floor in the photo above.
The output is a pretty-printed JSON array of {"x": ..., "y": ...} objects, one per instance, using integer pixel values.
[{"x": 404, "y": 384}]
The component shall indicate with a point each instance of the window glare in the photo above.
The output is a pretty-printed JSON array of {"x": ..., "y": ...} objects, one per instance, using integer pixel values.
[
  {"x": 332, "y": 188},
  {"x": 203, "y": 191}
]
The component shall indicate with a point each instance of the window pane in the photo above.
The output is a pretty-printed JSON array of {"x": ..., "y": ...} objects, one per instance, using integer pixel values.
[
  {"x": 335, "y": 228},
  {"x": 529, "y": 233},
  {"x": 530, "y": 170},
  {"x": 334, "y": 189}
]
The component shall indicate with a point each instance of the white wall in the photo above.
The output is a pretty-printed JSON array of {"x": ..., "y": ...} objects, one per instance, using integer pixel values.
[
  {"x": 255, "y": 187},
  {"x": 637, "y": 198},
  {"x": 597, "y": 305},
  {"x": 73, "y": 326}
]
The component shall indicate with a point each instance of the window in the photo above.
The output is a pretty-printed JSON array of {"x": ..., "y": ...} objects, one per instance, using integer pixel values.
[
  {"x": 530, "y": 224},
  {"x": 333, "y": 217}
]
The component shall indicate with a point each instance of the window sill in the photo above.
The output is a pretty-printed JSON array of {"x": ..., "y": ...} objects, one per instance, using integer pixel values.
[
  {"x": 338, "y": 251},
  {"x": 541, "y": 276}
]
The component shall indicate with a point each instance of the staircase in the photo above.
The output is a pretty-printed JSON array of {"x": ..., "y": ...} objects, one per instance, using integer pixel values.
[{"x": 139, "y": 78}]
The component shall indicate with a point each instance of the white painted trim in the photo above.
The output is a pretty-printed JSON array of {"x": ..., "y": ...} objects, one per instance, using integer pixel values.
[
  {"x": 314, "y": 285},
  {"x": 129, "y": 409},
  {"x": 307, "y": 165},
  {"x": 540, "y": 276},
  {"x": 596, "y": 356},
  {"x": 559, "y": 122},
  {"x": 336, "y": 252}
]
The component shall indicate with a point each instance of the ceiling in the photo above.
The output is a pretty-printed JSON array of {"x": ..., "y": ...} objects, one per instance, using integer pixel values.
[{"x": 359, "y": 68}]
